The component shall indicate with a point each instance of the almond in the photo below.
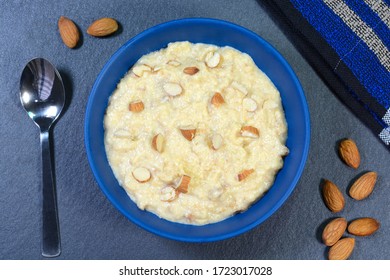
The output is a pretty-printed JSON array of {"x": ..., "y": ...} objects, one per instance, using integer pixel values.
[
  {"x": 363, "y": 186},
  {"x": 363, "y": 226},
  {"x": 174, "y": 63},
  {"x": 173, "y": 89},
  {"x": 168, "y": 194},
  {"x": 333, "y": 197},
  {"x": 333, "y": 231},
  {"x": 212, "y": 59},
  {"x": 349, "y": 153},
  {"x": 103, "y": 27},
  {"x": 182, "y": 185},
  {"x": 217, "y": 99},
  {"x": 244, "y": 174},
  {"x": 249, "y": 131},
  {"x": 241, "y": 88},
  {"x": 249, "y": 104},
  {"x": 141, "y": 174},
  {"x": 191, "y": 70},
  {"x": 139, "y": 70},
  {"x": 216, "y": 141},
  {"x": 136, "y": 106},
  {"x": 69, "y": 32},
  {"x": 158, "y": 143},
  {"x": 342, "y": 249},
  {"x": 188, "y": 132}
]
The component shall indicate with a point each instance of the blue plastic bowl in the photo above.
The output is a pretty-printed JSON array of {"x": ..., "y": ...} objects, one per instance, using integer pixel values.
[{"x": 220, "y": 33}]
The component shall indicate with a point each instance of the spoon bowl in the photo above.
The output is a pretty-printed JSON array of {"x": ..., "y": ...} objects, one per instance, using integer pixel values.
[{"x": 42, "y": 95}]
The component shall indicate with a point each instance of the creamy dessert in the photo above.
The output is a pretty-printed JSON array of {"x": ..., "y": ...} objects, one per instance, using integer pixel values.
[{"x": 195, "y": 133}]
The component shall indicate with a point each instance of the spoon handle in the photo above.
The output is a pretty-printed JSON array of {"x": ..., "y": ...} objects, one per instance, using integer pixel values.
[{"x": 50, "y": 229}]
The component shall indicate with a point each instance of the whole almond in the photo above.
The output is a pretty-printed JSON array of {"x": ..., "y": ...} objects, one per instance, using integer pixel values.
[
  {"x": 342, "y": 249},
  {"x": 103, "y": 27},
  {"x": 363, "y": 226},
  {"x": 333, "y": 231},
  {"x": 349, "y": 153},
  {"x": 333, "y": 197},
  {"x": 363, "y": 186},
  {"x": 69, "y": 32}
]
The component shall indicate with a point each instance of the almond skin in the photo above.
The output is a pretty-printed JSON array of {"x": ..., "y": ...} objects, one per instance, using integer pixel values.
[
  {"x": 333, "y": 197},
  {"x": 136, "y": 106},
  {"x": 191, "y": 70},
  {"x": 158, "y": 143},
  {"x": 333, "y": 231},
  {"x": 249, "y": 131},
  {"x": 244, "y": 174},
  {"x": 217, "y": 99},
  {"x": 182, "y": 186},
  {"x": 349, "y": 153},
  {"x": 363, "y": 226},
  {"x": 188, "y": 132},
  {"x": 342, "y": 249},
  {"x": 103, "y": 27},
  {"x": 69, "y": 32},
  {"x": 363, "y": 186}
]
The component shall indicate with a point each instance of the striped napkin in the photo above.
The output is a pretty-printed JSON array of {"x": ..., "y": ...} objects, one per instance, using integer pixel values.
[{"x": 348, "y": 44}]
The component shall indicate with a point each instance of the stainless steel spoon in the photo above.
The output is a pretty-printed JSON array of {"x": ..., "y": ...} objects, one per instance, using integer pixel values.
[{"x": 42, "y": 95}]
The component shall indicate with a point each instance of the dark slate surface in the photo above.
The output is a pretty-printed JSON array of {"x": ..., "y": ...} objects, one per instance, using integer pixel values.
[{"x": 91, "y": 228}]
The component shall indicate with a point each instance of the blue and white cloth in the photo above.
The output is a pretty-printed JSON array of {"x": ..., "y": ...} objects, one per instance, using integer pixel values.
[{"x": 348, "y": 43}]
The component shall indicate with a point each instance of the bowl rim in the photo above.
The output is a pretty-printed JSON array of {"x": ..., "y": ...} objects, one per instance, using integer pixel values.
[{"x": 292, "y": 183}]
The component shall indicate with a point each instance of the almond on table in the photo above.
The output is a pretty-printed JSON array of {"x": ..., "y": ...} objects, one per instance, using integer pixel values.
[
  {"x": 69, "y": 32},
  {"x": 363, "y": 186},
  {"x": 103, "y": 27},
  {"x": 349, "y": 153},
  {"x": 333, "y": 197}
]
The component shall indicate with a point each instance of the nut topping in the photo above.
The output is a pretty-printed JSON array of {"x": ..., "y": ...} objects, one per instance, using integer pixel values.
[
  {"x": 249, "y": 131},
  {"x": 136, "y": 106},
  {"x": 249, "y": 104},
  {"x": 217, "y": 99},
  {"x": 173, "y": 89},
  {"x": 188, "y": 132},
  {"x": 158, "y": 143},
  {"x": 212, "y": 59},
  {"x": 141, "y": 174},
  {"x": 191, "y": 70}
]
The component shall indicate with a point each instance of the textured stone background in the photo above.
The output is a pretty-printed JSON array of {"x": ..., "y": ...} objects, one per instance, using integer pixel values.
[{"x": 91, "y": 228}]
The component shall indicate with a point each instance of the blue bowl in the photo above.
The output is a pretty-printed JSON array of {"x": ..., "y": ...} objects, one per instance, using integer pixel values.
[{"x": 221, "y": 33}]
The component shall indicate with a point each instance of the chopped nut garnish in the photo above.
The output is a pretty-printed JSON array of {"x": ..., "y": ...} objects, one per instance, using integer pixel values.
[
  {"x": 139, "y": 70},
  {"x": 244, "y": 174},
  {"x": 168, "y": 193},
  {"x": 217, "y": 99},
  {"x": 173, "y": 89},
  {"x": 191, "y": 70},
  {"x": 212, "y": 59},
  {"x": 141, "y": 174},
  {"x": 158, "y": 143},
  {"x": 136, "y": 106},
  {"x": 249, "y": 131},
  {"x": 249, "y": 104},
  {"x": 216, "y": 141},
  {"x": 182, "y": 185},
  {"x": 188, "y": 132}
]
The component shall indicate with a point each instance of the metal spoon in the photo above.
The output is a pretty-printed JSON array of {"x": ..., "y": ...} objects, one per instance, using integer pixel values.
[{"x": 42, "y": 95}]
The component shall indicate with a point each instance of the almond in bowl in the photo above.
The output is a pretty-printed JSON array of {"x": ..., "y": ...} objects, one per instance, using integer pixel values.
[{"x": 203, "y": 146}]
